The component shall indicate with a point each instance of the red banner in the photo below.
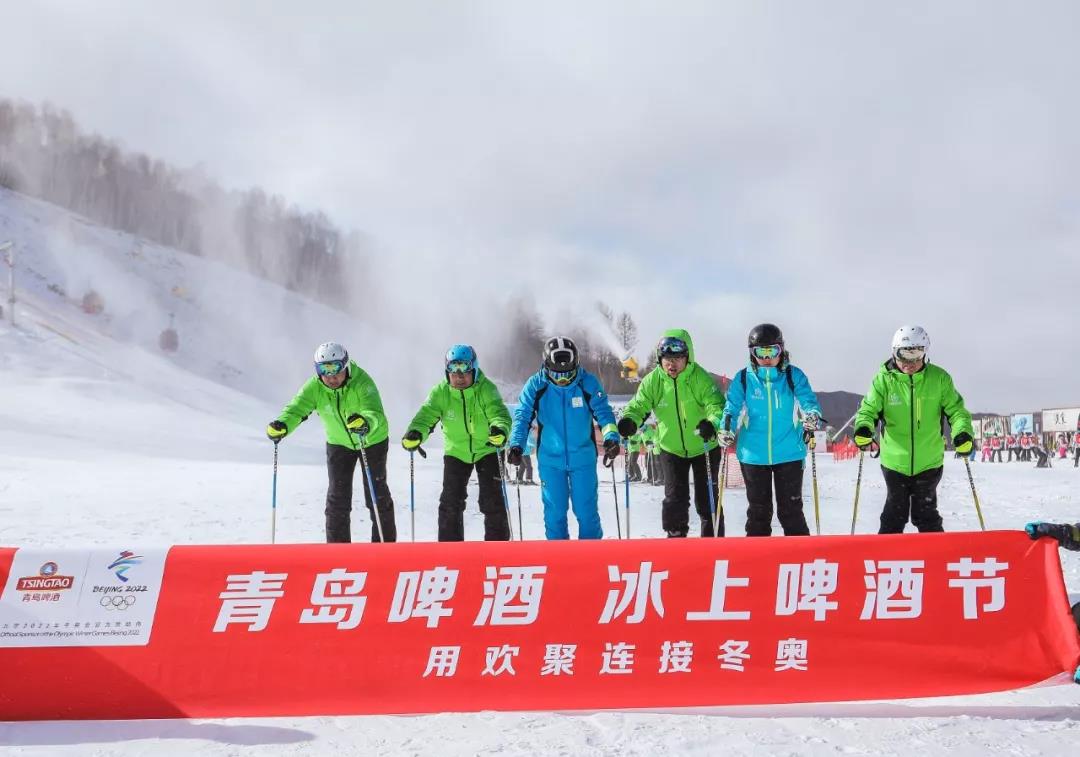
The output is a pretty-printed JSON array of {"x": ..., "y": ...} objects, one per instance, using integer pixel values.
[{"x": 413, "y": 628}]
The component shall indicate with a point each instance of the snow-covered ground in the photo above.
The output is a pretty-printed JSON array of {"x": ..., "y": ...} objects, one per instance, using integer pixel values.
[{"x": 104, "y": 441}]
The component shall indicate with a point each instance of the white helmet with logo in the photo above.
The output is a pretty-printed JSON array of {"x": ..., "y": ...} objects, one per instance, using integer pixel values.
[
  {"x": 329, "y": 351},
  {"x": 910, "y": 337}
]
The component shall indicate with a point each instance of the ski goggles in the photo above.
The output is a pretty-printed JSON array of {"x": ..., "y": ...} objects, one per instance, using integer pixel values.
[
  {"x": 768, "y": 352},
  {"x": 562, "y": 378},
  {"x": 672, "y": 347},
  {"x": 330, "y": 367},
  {"x": 910, "y": 354},
  {"x": 459, "y": 366}
]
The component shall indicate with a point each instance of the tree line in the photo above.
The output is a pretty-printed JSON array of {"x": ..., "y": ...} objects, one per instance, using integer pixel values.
[{"x": 45, "y": 154}]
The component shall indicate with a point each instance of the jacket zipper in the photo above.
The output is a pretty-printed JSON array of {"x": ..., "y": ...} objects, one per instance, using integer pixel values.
[
  {"x": 565, "y": 436},
  {"x": 911, "y": 397},
  {"x": 768, "y": 402},
  {"x": 465, "y": 418},
  {"x": 678, "y": 415},
  {"x": 348, "y": 434}
]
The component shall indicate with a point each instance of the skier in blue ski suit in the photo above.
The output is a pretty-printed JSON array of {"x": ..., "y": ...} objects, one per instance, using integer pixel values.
[
  {"x": 772, "y": 408},
  {"x": 564, "y": 399}
]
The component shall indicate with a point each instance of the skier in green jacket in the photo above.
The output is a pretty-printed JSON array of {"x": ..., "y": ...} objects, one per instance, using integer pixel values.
[
  {"x": 911, "y": 398},
  {"x": 348, "y": 402},
  {"x": 688, "y": 405},
  {"x": 475, "y": 423}
]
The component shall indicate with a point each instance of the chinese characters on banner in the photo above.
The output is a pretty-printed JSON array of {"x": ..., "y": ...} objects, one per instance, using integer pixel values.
[{"x": 648, "y": 623}]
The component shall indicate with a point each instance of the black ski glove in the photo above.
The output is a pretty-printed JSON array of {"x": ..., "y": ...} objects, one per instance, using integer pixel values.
[
  {"x": 1067, "y": 536},
  {"x": 706, "y": 430},
  {"x": 611, "y": 451},
  {"x": 626, "y": 428},
  {"x": 514, "y": 456}
]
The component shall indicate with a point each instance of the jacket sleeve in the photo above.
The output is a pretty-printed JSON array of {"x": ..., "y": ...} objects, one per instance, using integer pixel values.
[
  {"x": 872, "y": 404},
  {"x": 600, "y": 407},
  {"x": 494, "y": 408},
  {"x": 523, "y": 413},
  {"x": 429, "y": 414},
  {"x": 367, "y": 402},
  {"x": 707, "y": 392},
  {"x": 734, "y": 403},
  {"x": 302, "y": 405},
  {"x": 638, "y": 408},
  {"x": 953, "y": 405},
  {"x": 808, "y": 401}
]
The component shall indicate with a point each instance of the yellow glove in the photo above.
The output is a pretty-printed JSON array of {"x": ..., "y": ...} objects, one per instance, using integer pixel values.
[
  {"x": 356, "y": 425},
  {"x": 276, "y": 431},
  {"x": 411, "y": 440},
  {"x": 962, "y": 443},
  {"x": 496, "y": 436},
  {"x": 864, "y": 437}
]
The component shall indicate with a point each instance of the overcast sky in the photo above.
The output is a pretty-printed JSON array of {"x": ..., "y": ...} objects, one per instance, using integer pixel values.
[{"x": 840, "y": 168}]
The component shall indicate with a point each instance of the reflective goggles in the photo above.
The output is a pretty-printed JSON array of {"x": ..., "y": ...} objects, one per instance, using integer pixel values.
[
  {"x": 330, "y": 367},
  {"x": 672, "y": 347},
  {"x": 910, "y": 354},
  {"x": 562, "y": 378},
  {"x": 768, "y": 352},
  {"x": 459, "y": 366}
]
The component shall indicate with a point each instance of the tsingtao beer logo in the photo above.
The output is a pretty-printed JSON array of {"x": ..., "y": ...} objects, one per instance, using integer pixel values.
[{"x": 47, "y": 579}]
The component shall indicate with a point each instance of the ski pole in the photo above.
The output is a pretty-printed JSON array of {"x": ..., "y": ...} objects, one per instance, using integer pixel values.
[
  {"x": 974, "y": 495},
  {"x": 858, "y": 482},
  {"x": 712, "y": 494},
  {"x": 615, "y": 491},
  {"x": 521, "y": 526},
  {"x": 813, "y": 477},
  {"x": 720, "y": 493},
  {"x": 371, "y": 489},
  {"x": 412, "y": 497},
  {"x": 273, "y": 502},
  {"x": 626, "y": 472},
  {"x": 506, "y": 497}
]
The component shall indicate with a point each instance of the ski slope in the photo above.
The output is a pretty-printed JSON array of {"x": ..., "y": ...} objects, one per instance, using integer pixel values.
[{"x": 106, "y": 441}]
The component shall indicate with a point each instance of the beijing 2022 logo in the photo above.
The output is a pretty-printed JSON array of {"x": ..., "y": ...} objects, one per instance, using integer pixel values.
[{"x": 125, "y": 562}]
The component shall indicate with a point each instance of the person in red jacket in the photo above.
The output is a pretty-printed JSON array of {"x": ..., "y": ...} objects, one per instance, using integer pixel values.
[
  {"x": 1010, "y": 445},
  {"x": 995, "y": 446}
]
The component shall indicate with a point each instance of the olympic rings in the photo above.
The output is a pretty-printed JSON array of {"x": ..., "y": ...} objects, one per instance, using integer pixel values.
[{"x": 117, "y": 601}]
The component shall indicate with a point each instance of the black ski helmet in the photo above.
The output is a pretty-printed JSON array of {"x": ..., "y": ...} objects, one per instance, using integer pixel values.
[
  {"x": 765, "y": 335},
  {"x": 560, "y": 354}
]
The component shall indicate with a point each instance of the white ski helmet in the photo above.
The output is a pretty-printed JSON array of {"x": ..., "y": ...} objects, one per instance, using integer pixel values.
[
  {"x": 910, "y": 337},
  {"x": 329, "y": 352}
]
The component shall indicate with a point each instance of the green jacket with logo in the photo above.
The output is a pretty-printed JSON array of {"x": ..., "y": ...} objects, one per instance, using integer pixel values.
[
  {"x": 466, "y": 415},
  {"x": 679, "y": 404},
  {"x": 911, "y": 409},
  {"x": 357, "y": 395}
]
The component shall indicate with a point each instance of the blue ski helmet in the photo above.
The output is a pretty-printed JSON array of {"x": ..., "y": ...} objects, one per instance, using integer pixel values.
[{"x": 461, "y": 358}]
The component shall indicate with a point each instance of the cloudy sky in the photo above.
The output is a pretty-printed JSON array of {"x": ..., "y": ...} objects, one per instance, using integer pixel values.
[{"x": 840, "y": 168}]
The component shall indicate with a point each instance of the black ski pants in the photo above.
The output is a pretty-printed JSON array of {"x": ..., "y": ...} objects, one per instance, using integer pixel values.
[
  {"x": 760, "y": 480},
  {"x": 456, "y": 474},
  {"x": 340, "y": 467},
  {"x": 656, "y": 470},
  {"x": 1076, "y": 458},
  {"x": 633, "y": 468},
  {"x": 675, "y": 515},
  {"x": 911, "y": 497}
]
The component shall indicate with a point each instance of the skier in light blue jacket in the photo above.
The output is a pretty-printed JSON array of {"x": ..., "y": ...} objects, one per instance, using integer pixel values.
[
  {"x": 774, "y": 411},
  {"x": 565, "y": 399}
]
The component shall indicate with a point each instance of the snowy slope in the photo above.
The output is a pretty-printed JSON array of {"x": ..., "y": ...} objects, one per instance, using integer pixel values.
[{"x": 105, "y": 441}]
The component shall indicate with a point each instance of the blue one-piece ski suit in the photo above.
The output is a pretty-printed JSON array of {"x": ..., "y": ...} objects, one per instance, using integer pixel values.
[{"x": 565, "y": 448}]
